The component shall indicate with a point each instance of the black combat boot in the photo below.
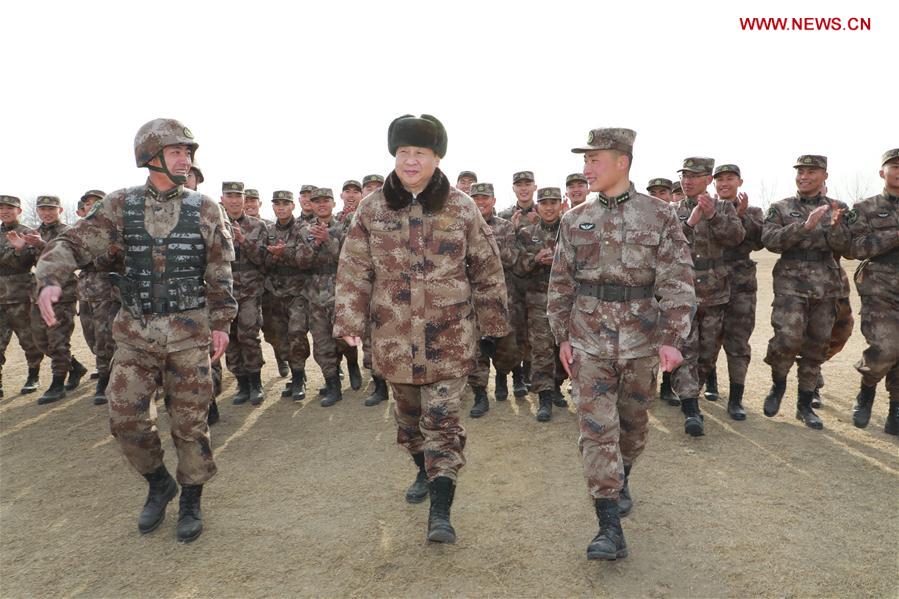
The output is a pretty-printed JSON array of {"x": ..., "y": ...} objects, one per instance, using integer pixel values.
[
  {"x": 519, "y": 389},
  {"x": 243, "y": 390},
  {"x": 163, "y": 489},
  {"x": 526, "y": 374},
  {"x": 693, "y": 421},
  {"x": 257, "y": 395},
  {"x": 625, "y": 503},
  {"x": 76, "y": 372},
  {"x": 283, "y": 368},
  {"x": 816, "y": 395},
  {"x": 559, "y": 399},
  {"x": 711, "y": 386},
  {"x": 735, "y": 402},
  {"x": 333, "y": 393},
  {"x": 774, "y": 397},
  {"x": 213, "y": 415},
  {"x": 352, "y": 366},
  {"x": 891, "y": 426},
  {"x": 418, "y": 490},
  {"x": 861, "y": 411},
  {"x": 501, "y": 389},
  {"x": 56, "y": 391},
  {"x": 379, "y": 393},
  {"x": 608, "y": 544},
  {"x": 545, "y": 411},
  {"x": 30, "y": 385},
  {"x": 804, "y": 411},
  {"x": 100, "y": 392},
  {"x": 1, "y": 385},
  {"x": 296, "y": 389},
  {"x": 439, "y": 528},
  {"x": 481, "y": 403},
  {"x": 190, "y": 517},
  {"x": 666, "y": 393}
]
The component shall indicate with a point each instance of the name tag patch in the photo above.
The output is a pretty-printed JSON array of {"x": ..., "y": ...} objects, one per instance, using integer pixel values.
[{"x": 586, "y": 226}]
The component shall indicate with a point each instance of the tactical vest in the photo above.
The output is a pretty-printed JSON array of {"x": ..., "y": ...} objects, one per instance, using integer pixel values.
[{"x": 180, "y": 286}]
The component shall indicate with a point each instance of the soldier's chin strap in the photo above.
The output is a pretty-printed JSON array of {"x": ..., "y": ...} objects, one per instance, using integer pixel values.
[{"x": 176, "y": 179}]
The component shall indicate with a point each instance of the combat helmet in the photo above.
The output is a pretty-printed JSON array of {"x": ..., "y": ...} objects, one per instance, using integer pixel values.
[{"x": 155, "y": 135}]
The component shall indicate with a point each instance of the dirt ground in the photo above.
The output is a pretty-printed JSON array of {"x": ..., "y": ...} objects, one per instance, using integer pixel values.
[{"x": 309, "y": 501}]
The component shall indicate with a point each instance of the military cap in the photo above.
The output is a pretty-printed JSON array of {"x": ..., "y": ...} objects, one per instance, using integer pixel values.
[
  {"x": 232, "y": 187},
  {"x": 251, "y": 193},
  {"x": 48, "y": 201},
  {"x": 575, "y": 177},
  {"x": 612, "y": 138},
  {"x": 371, "y": 178},
  {"x": 549, "y": 193},
  {"x": 305, "y": 188},
  {"x": 727, "y": 168},
  {"x": 469, "y": 174},
  {"x": 10, "y": 201},
  {"x": 660, "y": 182},
  {"x": 698, "y": 165},
  {"x": 347, "y": 183},
  {"x": 323, "y": 192},
  {"x": 155, "y": 135},
  {"x": 93, "y": 193},
  {"x": 282, "y": 195},
  {"x": 523, "y": 176},
  {"x": 889, "y": 155},
  {"x": 423, "y": 131},
  {"x": 676, "y": 188},
  {"x": 481, "y": 189},
  {"x": 812, "y": 160}
]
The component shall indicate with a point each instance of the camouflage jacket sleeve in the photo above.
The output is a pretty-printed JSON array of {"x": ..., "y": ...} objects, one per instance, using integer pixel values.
[
  {"x": 507, "y": 242},
  {"x": 485, "y": 274},
  {"x": 255, "y": 240},
  {"x": 838, "y": 236},
  {"x": 355, "y": 277},
  {"x": 327, "y": 253},
  {"x": 674, "y": 283},
  {"x": 866, "y": 240},
  {"x": 725, "y": 226},
  {"x": 562, "y": 284},
  {"x": 220, "y": 302},
  {"x": 779, "y": 237},
  {"x": 527, "y": 250},
  {"x": 111, "y": 260},
  {"x": 753, "y": 220},
  {"x": 20, "y": 261},
  {"x": 301, "y": 252}
]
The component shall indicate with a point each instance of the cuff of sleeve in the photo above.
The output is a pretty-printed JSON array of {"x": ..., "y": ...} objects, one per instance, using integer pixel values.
[
  {"x": 671, "y": 339},
  {"x": 220, "y": 324}
]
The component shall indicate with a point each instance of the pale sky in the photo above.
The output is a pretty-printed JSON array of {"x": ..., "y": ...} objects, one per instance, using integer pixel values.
[{"x": 280, "y": 95}]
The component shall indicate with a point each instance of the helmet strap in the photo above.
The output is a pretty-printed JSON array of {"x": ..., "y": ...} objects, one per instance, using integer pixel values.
[{"x": 176, "y": 179}]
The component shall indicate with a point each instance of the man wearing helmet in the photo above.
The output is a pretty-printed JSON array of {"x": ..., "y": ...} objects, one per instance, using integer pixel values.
[{"x": 176, "y": 299}]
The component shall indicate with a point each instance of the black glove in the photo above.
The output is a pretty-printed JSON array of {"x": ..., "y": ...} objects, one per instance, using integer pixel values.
[{"x": 488, "y": 347}]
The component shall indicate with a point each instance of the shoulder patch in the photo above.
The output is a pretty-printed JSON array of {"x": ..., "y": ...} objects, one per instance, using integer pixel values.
[
  {"x": 852, "y": 216},
  {"x": 586, "y": 226},
  {"x": 94, "y": 209},
  {"x": 771, "y": 213}
]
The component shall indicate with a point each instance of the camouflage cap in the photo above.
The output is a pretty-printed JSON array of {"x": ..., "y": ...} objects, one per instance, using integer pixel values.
[
  {"x": 469, "y": 174},
  {"x": 282, "y": 195},
  {"x": 347, "y": 183},
  {"x": 196, "y": 167},
  {"x": 153, "y": 136},
  {"x": 371, "y": 179},
  {"x": 481, "y": 189},
  {"x": 10, "y": 201},
  {"x": 93, "y": 193},
  {"x": 676, "y": 188},
  {"x": 812, "y": 160},
  {"x": 322, "y": 192},
  {"x": 523, "y": 176},
  {"x": 305, "y": 188},
  {"x": 549, "y": 193},
  {"x": 251, "y": 193},
  {"x": 232, "y": 187},
  {"x": 727, "y": 168},
  {"x": 573, "y": 177},
  {"x": 48, "y": 201},
  {"x": 611, "y": 138},
  {"x": 660, "y": 182},
  {"x": 698, "y": 165},
  {"x": 889, "y": 155}
]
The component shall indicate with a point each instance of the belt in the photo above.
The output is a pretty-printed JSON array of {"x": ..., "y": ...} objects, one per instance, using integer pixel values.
[
  {"x": 286, "y": 271},
  {"x": 616, "y": 293},
  {"x": 888, "y": 258},
  {"x": 705, "y": 263},
  {"x": 735, "y": 255},
  {"x": 242, "y": 266},
  {"x": 807, "y": 255},
  {"x": 9, "y": 272}
]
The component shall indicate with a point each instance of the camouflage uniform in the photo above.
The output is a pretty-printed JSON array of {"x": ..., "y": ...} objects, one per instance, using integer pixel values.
[
  {"x": 157, "y": 331},
  {"x": 98, "y": 304},
  {"x": 807, "y": 285},
  {"x": 426, "y": 274},
  {"x": 16, "y": 284}
]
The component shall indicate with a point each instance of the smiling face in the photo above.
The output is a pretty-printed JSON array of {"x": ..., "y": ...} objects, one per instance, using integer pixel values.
[
  {"x": 548, "y": 210},
  {"x": 485, "y": 204},
  {"x": 605, "y": 169},
  {"x": 9, "y": 214},
  {"x": 810, "y": 180},
  {"x": 323, "y": 207},
  {"x": 694, "y": 184},
  {"x": 351, "y": 197},
  {"x": 577, "y": 192},
  {"x": 251, "y": 206},
  {"x": 233, "y": 203},
  {"x": 524, "y": 191},
  {"x": 283, "y": 210},
  {"x": 890, "y": 175},
  {"x": 177, "y": 159},
  {"x": 727, "y": 185},
  {"x": 464, "y": 184},
  {"x": 415, "y": 166},
  {"x": 662, "y": 193},
  {"x": 49, "y": 214}
]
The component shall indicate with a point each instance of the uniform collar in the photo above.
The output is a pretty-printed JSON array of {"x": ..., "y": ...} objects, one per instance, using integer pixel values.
[
  {"x": 890, "y": 197},
  {"x": 171, "y": 194},
  {"x": 815, "y": 199},
  {"x": 284, "y": 227},
  {"x": 4, "y": 227},
  {"x": 615, "y": 200},
  {"x": 550, "y": 226},
  {"x": 49, "y": 227}
]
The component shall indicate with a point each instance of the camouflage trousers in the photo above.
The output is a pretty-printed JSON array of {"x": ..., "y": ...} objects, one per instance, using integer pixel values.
[
  {"x": 326, "y": 350},
  {"x": 244, "y": 352},
  {"x": 288, "y": 319},
  {"x": 700, "y": 351},
  {"x": 96, "y": 324},
  {"x": 519, "y": 316},
  {"x": 271, "y": 336},
  {"x": 880, "y": 326},
  {"x": 842, "y": 328},
  {"x": 16, "y": 318},
  {"x": 366, "y": 348},
  {"x": 611, "y": 398},
  {"x": 739, "y": 322},
  {"x": 544, "y": 351},
  {"x": 132, "y": 413},
  {"x": 55, "y": 342},
  {"x": 505, "y": 359},
  {"x": 427, "y": 420},
  {"x": 802, "y": 329}
]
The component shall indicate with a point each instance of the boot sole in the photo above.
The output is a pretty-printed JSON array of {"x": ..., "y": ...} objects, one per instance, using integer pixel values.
[
  {"x": 812, "y": 425},
  {"x": 476, "y": 414},
  {"x": 694, "y": 429},
  {"x": 25, "y": 391},
  {"x": 191, "y": 538},
  {"x": 611, "y": 557},
  {"x": 414, "y": 499},
  {"x": 100, "y": 401},
  {"x": 737, "y": 416},
  {"x": 44, "y": 402},
  {"x": 370, "y": 404},
  {"x": 441, "y": 536}
]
